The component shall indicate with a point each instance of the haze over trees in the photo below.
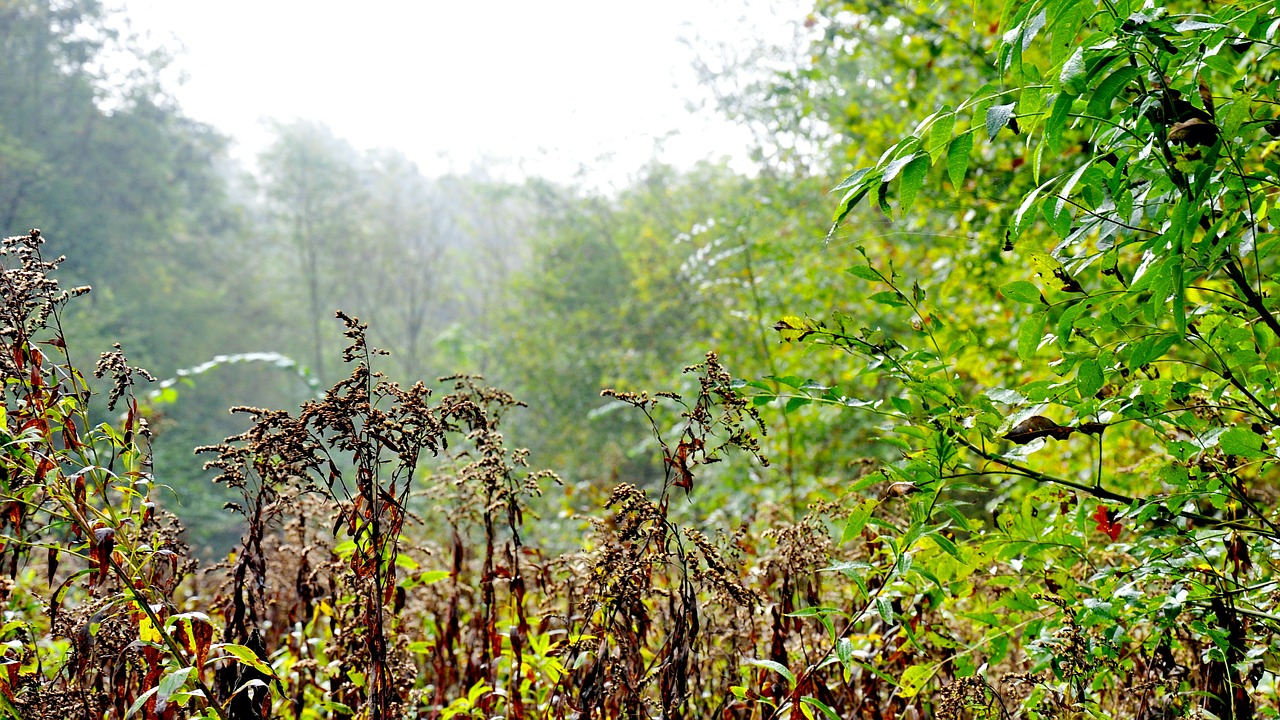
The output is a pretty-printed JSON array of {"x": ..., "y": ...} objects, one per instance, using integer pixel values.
[{"x": 962, "y": 403}]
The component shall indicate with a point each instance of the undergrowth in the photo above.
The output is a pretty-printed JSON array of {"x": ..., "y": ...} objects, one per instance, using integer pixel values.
[{"x": 384, "y": 571}]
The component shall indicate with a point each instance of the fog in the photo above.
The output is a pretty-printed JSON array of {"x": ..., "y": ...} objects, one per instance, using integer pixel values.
[
  {"x": 555, "y": 197},
  {"x": 560, "y": 90}
]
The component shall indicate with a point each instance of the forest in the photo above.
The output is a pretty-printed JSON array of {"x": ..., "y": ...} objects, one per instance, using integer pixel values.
[{"x": 962, "y": 403}]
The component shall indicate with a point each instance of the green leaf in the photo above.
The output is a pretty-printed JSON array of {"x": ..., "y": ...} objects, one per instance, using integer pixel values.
[
  {"x": 891, "y": 171},
  {"x": 477, "y": 691},
  {"x": 1235, "y": 114},
  {"x": 791, "y": 381},
  {"x": 913, "y": 176},
  {"x": 142, "y": 700},
  {"x": 172, "y": 683},
  {"x": 432, "y": 576},
  {"x": 1195, "y": 26},
  {"x": 885, "y": 609},
  {"x": 1071, "y": 183},
  {"x": 1243, "y": 442},
  {"x": 1220, "y": 63},
  {"x": 1006, "y": 396},
  {"x": 850, "y": 201},
  {"x": 1021, "y": 291},
  {"x": 844, "y": 651},
  {"x": 1029, "y": 335},
  {"x": 825, "y": 708},
  {"x": 1149, "y": 349},
  {"x": 1006, "y": 14},
  {"x": 1057, "y": 123},
  {"x": 865, "y": 272},
  {"x": 1177, "y": 232},
  {"x": 889, "y": 297},
  {"x": 1024, "y": 209},
  {"x": 814, "y": 611},
  {"x": 947, "y": 545},
  {"x": 795, "y": 403},
  {"x": 1107, "y": 90},
  {"x": 853, "y": 180},
  {"x": 1089, "y": 378},
  {"x": 1072, "y": 76},
  {"x": 882, "y": 197},
  {"x": 855, "y": 571},
  {"x": 1036, "y": 162},
  {"x": 776, "y": 667},
  {"x": 940, "y": 135},
  {"x": 958, "y": 160},
  {"x": 998, "y": 116},
  {"x": 857, "y": 520},
  {"x": 1032, "y": 27}
]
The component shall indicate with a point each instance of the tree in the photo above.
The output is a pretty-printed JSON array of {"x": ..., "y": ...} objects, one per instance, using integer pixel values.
[
  {"x": 1098, "y": 373},
  {"x": 411, "y": 223},
  {"x": 314, "y": 190}
]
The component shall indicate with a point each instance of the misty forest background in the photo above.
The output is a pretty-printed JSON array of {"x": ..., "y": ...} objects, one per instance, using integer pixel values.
[{"x": 551, "y": 290}]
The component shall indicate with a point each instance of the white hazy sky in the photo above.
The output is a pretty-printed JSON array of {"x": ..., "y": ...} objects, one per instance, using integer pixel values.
[{"x": 546, "y": 86}]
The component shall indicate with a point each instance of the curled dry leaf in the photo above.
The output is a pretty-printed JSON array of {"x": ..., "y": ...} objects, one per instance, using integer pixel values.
[
  {"x": 1037, "y": 426},
  {"x": 1206, "y": 96},
  {"x": 1194, "y": 132},
  {"x": 900, "y": 489}
]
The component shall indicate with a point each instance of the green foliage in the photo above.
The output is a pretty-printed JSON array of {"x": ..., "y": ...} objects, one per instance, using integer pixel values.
[{"x": 1114, "y": 411}]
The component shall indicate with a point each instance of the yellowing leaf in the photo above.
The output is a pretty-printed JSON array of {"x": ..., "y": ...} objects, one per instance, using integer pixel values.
[
  {"x": 248, "y": 657},
  {"x": 147, "y": 631},
  {"x": 914, "y": 679}
]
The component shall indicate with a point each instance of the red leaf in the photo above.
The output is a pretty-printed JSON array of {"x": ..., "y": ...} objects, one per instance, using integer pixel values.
[
  {"x": 680, "y": 462},
  {"x": 104, "y": 543},
  {"x": 70, "y": 437},
  {"x": 1238, "y": 553},
  {"x": 129, "y": 419},
  {"x": 197, "y": 636},
  {"x": 42, "y": 469},
  {"x": 1101, "y": 516},
  {"x": 79, "y": 493},
  {"x": 1105, "y": 525},
  {"x": 10, "y": 677}
]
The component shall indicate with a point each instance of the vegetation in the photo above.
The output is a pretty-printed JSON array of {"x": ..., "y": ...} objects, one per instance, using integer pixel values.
[{"x": 999, "y": 442}]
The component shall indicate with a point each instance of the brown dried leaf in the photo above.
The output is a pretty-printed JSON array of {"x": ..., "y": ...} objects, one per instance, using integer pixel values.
[
  {"x": 1037, "y": 426},
  {"x": 1194, "y": 132},
  {"x": 1206, "y": 96}
]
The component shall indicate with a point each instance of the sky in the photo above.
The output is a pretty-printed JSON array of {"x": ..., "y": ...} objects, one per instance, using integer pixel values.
[{"x": 539, "y": 88}]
